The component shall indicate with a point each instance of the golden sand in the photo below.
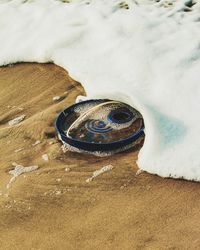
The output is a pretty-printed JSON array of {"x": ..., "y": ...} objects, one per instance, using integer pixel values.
[{"x": 54, "y": 207}]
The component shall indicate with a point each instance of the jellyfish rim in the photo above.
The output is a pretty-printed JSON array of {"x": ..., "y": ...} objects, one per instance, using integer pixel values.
[{"x": 93, "y": 146}]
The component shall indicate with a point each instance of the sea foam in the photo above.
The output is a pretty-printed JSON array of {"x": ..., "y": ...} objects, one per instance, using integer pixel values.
[{"x": 144, "y": 53}]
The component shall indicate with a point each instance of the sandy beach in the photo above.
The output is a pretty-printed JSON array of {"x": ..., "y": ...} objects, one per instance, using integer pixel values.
[{"x": 54, "y": 207}]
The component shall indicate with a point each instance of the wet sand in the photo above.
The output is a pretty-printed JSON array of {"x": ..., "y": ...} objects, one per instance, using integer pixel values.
[{"x": 51, "y": 208}]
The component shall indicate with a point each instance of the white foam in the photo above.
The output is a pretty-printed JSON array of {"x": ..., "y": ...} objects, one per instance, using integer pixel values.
[
  {"x": 16, "y": 120},
  {"x": 66, "y": 147},
  {"x": 18, "y": 170},
  {"x": 99, "y": 172},
  {"x": 147, "y": 55}
]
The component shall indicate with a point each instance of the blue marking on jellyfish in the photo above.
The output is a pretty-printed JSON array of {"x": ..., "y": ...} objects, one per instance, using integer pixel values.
[{"x": 97, "y": 126}]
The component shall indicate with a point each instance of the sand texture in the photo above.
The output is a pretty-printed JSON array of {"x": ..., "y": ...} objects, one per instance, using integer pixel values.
[{"x": 53, "y": 207}]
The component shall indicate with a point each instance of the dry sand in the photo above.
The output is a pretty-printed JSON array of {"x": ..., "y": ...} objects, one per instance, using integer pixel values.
[{"x": 51, "y": 208}]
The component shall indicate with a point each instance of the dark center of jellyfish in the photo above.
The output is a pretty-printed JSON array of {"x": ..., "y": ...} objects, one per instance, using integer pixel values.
[
  {"x": 101, "y": 124},
  {"x": 121, "y": 116}
]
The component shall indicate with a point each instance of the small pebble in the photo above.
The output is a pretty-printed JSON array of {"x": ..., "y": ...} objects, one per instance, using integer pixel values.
[
  {"x": 18, "y": 150},
  {"x": 56, "y": 98},
  {"x": 36, "y": 143},
  {"x": 148, "y": 187},
  {"x": 139, "y": 172},
  {"x": 58, "y": 192},
  {"x": 67, "y": 169},
  {"x": 123, "y": 186},
  {"x": 45, "y": 157}
]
